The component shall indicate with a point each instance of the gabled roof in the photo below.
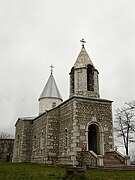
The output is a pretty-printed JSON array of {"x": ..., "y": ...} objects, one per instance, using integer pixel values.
[
  {"x": 50, "y": 90},
  {"x": 25, "y": 119},
  {"x": 83, "y": 59}
]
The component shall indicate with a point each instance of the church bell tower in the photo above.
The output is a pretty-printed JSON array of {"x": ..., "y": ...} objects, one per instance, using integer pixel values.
[{"x": 84, "y": 76}]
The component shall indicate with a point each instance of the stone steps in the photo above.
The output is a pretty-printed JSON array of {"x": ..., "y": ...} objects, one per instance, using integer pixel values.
[
  {"x": 112, "y": 161},
  {"x": 123, "y": 168}
]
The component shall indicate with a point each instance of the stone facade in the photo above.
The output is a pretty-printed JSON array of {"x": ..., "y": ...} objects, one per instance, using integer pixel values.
[
  {"x": 79, "y": 127},
  {"x": 23, "y": 143},
  {"x": 59, "y": 134},
  {"x": 6, "y": 150}
]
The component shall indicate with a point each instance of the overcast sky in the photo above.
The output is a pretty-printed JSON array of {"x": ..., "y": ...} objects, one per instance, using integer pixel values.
[{"x": 37, "y": 33}]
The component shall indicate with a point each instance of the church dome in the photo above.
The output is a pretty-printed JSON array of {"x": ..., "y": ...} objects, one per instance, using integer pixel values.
[
  {"x": 83, "y": 59},
  {"x": 50, "y": 90},
  {"x": 50, "y": 96}
]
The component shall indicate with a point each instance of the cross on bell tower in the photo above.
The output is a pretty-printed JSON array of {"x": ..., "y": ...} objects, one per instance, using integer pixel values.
[
  {"x": 51, "y": 68},
  {"x": 82, "y": 41}
]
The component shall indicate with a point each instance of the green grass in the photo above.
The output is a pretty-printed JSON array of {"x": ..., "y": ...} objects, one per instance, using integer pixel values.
[
  {"x": 13, "y": 171},
  {"x": 97, "y": 174},
  {"x": 9, "y": 171}
]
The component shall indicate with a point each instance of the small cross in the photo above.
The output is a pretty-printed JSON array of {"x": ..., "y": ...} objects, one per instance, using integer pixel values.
[
  {"x": 51, "y": 68},
  {"x": 82, "y": 41}
]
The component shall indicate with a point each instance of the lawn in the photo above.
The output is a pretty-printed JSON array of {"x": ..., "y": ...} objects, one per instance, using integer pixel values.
[{"x": 13, "y": 171}]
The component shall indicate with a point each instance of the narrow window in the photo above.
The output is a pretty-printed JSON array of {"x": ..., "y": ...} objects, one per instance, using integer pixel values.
[
  {"x": 35, "y": 142},
  {"x": 18, "y": 137},
  {"x": 41, "y": 140},
  {"x": 66, "y": 137}
]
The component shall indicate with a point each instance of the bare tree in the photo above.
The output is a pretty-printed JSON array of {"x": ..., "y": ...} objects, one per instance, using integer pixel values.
[
  {"x": 125, "y": 124},
  {"x": 4, "y": 135}
]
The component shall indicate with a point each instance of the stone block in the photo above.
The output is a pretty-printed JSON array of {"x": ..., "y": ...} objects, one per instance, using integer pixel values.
[
  {"x": 75, "y": 128},
  {"x": 50, "y": 134},
  {"x": 73, "y": 145},
  {"x": 71, "y": 153},
  {"x": 82, "y": 138},
  {"x": 76, "y": 134},
  {"x": 52, "y": 154},
  {"x": 49, "y": 147},
  {"x": 82, "y": 127},
  {"x": 110, "y": 142},
  {"x": 73, "y": 158},
  {"x": 105, "y": 128},
  {"x": 79, "y": 149},
  {"x": 48, "y": 162},
  {"x": 75, "y": 140},
  {"x": 110, "y": 137}
]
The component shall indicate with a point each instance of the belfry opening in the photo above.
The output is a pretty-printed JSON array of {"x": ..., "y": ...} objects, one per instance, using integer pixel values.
[{"x": 90, "y": 78}]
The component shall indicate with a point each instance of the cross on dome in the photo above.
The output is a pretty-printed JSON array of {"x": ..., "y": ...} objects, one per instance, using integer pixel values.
[
  {"x": 51, "y": 68},
  {"x": 82, "y": 41}
]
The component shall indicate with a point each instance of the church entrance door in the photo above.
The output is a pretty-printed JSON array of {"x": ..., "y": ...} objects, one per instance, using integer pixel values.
[{"x": 93, "y": 138}]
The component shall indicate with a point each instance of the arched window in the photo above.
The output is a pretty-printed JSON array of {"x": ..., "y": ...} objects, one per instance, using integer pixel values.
[
  {"x": 66, "y": 137},
  {"x": 90, "y": 78},
  {"x": 18, "y": 137},
  {"x": 35, "y": 141},
  {"x": 53, "y": 104},
  {"x": 41, "y": 140}
]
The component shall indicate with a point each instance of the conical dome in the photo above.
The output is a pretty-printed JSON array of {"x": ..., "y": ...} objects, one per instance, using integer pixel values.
[
  {"x": 50, "y": 96},
  {"x": 83, "y": 59},
  {"x": 50, "y": 90}
]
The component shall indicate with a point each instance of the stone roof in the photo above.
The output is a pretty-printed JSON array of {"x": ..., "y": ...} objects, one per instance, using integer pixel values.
[
  {"x": 27, "y": 118},
  {"x": 50, "y": 90},
  {"x": 83, "y": 59}
]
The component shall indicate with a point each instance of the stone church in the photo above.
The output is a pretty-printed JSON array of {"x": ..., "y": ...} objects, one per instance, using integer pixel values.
[{"x": 78, "y": 131}]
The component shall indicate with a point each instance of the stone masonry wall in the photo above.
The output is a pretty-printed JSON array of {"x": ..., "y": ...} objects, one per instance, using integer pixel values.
[
  {"x": 26, "y": 138},
  {"x": 58, "y": 135},
  {"x": 18, "y": 142},
  {"x": 39, "y": 139},
  {"x": 65, "y": 131},
  {"x": 22, "y": 145},
  {"x": 94, "y": 111},
  {"x": 45, "y": 137}
]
